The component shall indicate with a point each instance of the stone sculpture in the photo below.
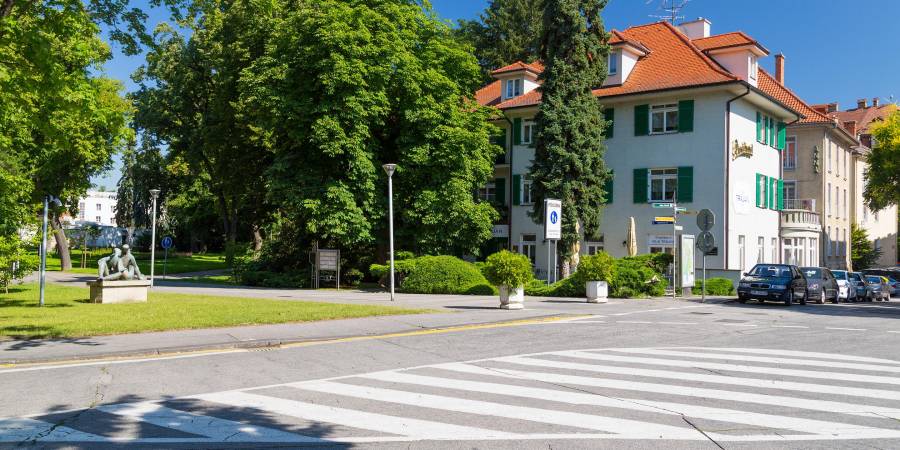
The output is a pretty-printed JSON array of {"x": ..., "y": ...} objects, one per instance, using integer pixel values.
[{"x": 109, "y": 262}]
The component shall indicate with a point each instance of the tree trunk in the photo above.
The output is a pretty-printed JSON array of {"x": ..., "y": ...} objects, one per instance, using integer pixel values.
[
  {"x": 257, "y": 238},
  {"x": 6, "y": 8},
  {"x": 62, "y": 245}
]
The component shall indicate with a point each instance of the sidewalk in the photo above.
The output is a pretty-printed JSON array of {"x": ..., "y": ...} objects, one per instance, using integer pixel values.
[{"x": 456, "y": 311}]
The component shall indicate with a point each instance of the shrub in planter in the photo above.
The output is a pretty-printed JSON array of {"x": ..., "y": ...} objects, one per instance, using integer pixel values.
[
  {"x": 511, "y": 272},
  {"x": 596, "y": 273}
]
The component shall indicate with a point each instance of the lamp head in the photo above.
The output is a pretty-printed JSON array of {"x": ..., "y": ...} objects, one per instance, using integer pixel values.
[
  {"x": 389, "y": 169},
  {"x": 154, "y": 193},
  {"x": 55, "y": 201}
]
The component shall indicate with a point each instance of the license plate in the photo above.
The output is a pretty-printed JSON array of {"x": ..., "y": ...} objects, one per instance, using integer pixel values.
[{"x": 759, "y": 292}]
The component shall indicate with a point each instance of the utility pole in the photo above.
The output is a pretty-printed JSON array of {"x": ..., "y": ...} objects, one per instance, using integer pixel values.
[{"x": 389, "y": 170}]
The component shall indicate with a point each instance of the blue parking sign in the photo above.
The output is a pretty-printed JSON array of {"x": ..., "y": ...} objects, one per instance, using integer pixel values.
[{"x": 166, "y": 242}]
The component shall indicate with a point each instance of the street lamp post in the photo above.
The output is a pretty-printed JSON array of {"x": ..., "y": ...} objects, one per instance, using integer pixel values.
[
  {"x": 47, "y": 200},
  {"x": 153, "y": 194},
  {"x": 389, "y": 170}
]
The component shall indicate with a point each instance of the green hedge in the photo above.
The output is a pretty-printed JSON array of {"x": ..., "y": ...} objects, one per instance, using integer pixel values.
[
  {"x": 717, "y": 286},
  {"x": 635, "y": 276},
  {"x": 436, "y": 275}
]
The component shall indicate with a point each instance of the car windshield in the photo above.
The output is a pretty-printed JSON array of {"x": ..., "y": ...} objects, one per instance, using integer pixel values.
[
  {"x": 811, "y": 272},
  {"x": 770, "y": 270},
  {"x": 855, "y": 277},
  {"x": 839, "y": 274},
  {"x": 873, "y": 279}
]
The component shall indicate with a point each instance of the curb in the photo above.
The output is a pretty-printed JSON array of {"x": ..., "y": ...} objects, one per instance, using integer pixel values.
[{"x": 272, "y": 344}]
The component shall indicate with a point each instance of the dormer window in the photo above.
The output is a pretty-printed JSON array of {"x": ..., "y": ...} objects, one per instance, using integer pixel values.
[
  {"x": 754, "y": 66},
  {"x": 613, "y": 63},
  {"x": 514, "y": 87}
]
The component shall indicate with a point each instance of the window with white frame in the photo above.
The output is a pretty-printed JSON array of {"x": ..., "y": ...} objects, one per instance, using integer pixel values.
[
  {"x": 662, "y": 184},
  {"x": 527, "y": 132},
  {"x": 526, "y": 190},
  {"x": 742, "y": 252},
  {"x": 829, "y": 155},
  {"x": 789, "y": 154},
  {"x": 613, "y": 63},
  {"x": 828, "y": 200},
  {"x": 664, "y": 118},
  {"x": 98, "y": 219},
  {"x": 846, "y": 208},
  {"x": 99, "y": 206},
  {"x": 828, "y": 241},
  {"x": 595, "y": 246},
  {"x": 760, "y": 250},
  {"x": 514, "y": 87},
  {"x": 844, "y": 243},
  {"x": 774, "y": 251},
  {"x": 813, "y": 252},
  {"x": 789, "y": 191},
  {"x": 754, "y": 66},
  {"x": 528, "y": 246},
  {"x": 837, "y": 201},
  {"x": 488, "y": 192}
]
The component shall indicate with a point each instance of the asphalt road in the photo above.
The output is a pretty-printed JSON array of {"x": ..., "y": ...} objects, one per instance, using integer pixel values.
[{"x": 670, "y": 375}]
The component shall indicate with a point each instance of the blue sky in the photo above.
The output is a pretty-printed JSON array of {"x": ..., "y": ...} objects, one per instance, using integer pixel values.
[{"x": 835, "y": 50}]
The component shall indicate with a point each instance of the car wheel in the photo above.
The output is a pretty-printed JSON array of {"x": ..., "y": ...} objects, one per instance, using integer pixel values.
[
  {"x": 821, "y": 299},
  {"x": 789, "y": 298},
  {"x": 803, "y": 299},
  {"x": 742, "y": 300},
  {"x": 837, "y": 297}
]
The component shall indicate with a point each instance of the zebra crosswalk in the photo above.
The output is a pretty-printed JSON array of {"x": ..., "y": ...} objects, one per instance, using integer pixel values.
[{"x": 661, "y": 393}]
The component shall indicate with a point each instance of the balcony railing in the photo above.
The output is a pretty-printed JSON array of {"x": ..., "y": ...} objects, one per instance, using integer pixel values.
[
  {"x": 806, "y": 204},
  {"x": 801, "y": 219}
]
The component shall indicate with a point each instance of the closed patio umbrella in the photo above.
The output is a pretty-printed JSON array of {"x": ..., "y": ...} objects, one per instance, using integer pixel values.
[{"x": 632, "y": 238}]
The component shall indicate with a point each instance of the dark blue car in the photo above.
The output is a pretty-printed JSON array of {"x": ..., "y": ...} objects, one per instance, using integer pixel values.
[{"x": 775, "y": 282}]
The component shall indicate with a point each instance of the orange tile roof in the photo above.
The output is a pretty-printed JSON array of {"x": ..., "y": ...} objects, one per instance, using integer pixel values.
[
  {"x": 773, "y": 88},
  {"x": 668, "y": 47},
  {"x": 864, "y": 116},
  {"x": 734, "y": 39},
  {"x": 534, "y": 67},
  {"x": 616, "y": 37}
]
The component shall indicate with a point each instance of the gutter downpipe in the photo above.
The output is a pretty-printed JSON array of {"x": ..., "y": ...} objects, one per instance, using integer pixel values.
[{"x": 728, "y": 172}]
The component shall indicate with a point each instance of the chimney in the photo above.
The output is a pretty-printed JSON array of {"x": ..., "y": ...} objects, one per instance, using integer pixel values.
[
  {"x": 862, "y": 103},
  {"x": 875, "y": 102},
  {"x": 779, "y": 68},
  {"x": 696, "y": 29},
  {"x": 850, "y": 126}
]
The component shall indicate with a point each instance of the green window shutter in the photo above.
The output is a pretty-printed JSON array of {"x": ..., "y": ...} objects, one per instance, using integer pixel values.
[
  {"x": 685, "y": 184},
  {"x": 685, "y": 116},
  {"x": 610, "y": 115},
  {"x": 500, "y": 191},
  {"x": 782, "y": 135},
  {"x": 771, "y": 132},
  {"x": 759, "y": 127},
  {"x": 780, "y": 195},
  {"x": 608, "y": 187},
  {"x": 517, "y": 189},
  {"x": 640, "y": 185},
  {"x": 517, "y": 131},
  {"x": 641, "y": 120}
]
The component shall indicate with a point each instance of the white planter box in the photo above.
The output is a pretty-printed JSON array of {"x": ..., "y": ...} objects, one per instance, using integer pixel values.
[
  {"x": 512, "y": 298},
  {"x": 596, "y": 291}
]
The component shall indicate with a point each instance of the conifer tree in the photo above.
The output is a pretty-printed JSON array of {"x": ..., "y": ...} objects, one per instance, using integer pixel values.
[{"x": 569, "y": 148}]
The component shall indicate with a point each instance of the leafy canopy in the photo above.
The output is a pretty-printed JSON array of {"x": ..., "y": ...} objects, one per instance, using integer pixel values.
[{"x": 883, "y": 177}]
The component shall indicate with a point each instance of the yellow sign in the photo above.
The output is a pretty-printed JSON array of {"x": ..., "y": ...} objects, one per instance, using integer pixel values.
[{"x": 741, "y": 149}]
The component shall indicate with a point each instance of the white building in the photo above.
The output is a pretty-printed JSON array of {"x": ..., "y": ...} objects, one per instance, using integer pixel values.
[
  {"x": 97, "y": 207},
  {"x": 694, "y": 120}
]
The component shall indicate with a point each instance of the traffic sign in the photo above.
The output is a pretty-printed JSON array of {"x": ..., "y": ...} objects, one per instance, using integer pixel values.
[
  {"x": 663, "y": 205},
  {"x": 679, "y": 228},
  {"x": 680, "y": 209},
  {"x": 706, "y": 219},
  {"x": 706, "y": 242},
  {"x": 552, "y": 219},
  {"x": 166, "y": 242},
  {"x": 663, "y": 220}
]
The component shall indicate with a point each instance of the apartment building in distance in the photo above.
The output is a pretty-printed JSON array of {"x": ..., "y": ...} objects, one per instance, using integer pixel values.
[
  {"x": 694, "y": 120},
  {"x": 881, "y": 226}
]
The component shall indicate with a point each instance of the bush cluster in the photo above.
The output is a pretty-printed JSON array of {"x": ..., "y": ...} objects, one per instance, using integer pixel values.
[
  {"x": 435, "y": 275},
  {"x": 717, "y": 286},
  {"x": 637, "y": 276}
]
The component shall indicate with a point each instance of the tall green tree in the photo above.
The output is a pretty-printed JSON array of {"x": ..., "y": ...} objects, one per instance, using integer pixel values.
[
  {"x": 507, "y": 31},
  {"x": 863, "y": 253},
  {"x": 569, "y": 148},
  {"x": 346, "y": 86},
  {"x": 883, "y": 177}
]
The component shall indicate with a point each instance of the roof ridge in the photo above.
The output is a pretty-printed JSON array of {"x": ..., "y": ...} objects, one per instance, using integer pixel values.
[{"x": 709, "y": 61}]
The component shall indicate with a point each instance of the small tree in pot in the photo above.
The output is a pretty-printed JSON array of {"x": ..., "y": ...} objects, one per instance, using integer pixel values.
[
  {"x": 596, "y": 272},
  {"x": 509, "y": 272}
]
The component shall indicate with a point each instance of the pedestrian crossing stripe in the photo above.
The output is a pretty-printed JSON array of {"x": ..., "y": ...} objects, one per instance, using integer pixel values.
[{"x": 660, "y": 393}]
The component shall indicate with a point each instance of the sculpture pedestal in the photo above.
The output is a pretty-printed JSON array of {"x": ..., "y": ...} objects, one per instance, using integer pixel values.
[{"x": 130, "y": 291}]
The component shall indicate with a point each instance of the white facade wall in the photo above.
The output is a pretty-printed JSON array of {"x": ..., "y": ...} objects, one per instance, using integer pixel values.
[
  {"x": 705, "y": 150},
  {"x": 97, "y": 207}
]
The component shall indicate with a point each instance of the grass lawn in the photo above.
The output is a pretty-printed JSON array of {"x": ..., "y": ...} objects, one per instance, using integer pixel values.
[
  {"x": 68, "y": 314},
  {"x": 176, "y": 264},
  {"x": 206, "y": 279}
]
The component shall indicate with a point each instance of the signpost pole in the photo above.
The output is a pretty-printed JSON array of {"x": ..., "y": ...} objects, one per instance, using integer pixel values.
[
  {"x": 555, "y": 255},
  {"x": 703, "y": 291},
  {"x": 549, "y": 243},
  {"x": 165, "y": 262}
]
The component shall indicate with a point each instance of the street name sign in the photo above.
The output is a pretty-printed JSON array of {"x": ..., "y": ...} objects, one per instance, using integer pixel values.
[
  {"x": 552, "y": 219},
  {"x": 663, "y": 220},
  {"x": 663, "y": 205}
]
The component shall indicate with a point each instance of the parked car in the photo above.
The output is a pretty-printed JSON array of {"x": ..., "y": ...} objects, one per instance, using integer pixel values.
[
  {"x": 846, "y": 288},
  {"x": 891, "y": 273},
  {"x": 821, "y": 285},
  {"x": 878, "y": 288},
  {"x": 856, "y": 280},
  {"x": 895, "y": 286},
  {"x": 777, "y": 282}
]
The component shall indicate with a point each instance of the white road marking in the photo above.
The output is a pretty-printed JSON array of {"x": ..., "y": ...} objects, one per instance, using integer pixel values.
[
  {"x": 739, "y": 324},
  {"x": 760, "y": 359},
  {"x": 789, "y": 326},
  {"x": 220, "y": 430},
  {"x": 577, "y": 398},
  {"x": 795, "y": 353},
  {"x": 677, "y": 323},
  {"x": 687, "y": 391},
  {"x": 893, "y": 331},
  {"x": 358, "y": 419},
  {"x": 735, "y": 367},
  {"x": 587, "y": 421},
  {"x": 846, "y": 329},
  {"x": 633, "y": 321}
]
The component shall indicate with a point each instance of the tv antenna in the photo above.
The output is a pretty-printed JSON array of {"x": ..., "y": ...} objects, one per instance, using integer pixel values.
[{"x": 672, "y": 8}]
